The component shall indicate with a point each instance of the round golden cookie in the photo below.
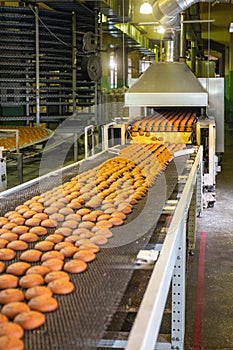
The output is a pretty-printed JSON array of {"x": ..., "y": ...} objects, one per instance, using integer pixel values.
[
  {"x": 104, "y": 217},
  {"x": 75, "y": 266},
  {"x": 3, "y": 221},
  {"x": 102, "y": 231},
  {"x": 49, "y": 223},
  {"x": 54, "y": 275},
  {"x": 10, "y": 310},
  {"x": 61, "y": 245},
  {"x": 72, "y": 239},
  {"x": 43, "y": 303},
  {"x": 29, "y": 237},
  {"x": 44, "y": 246},
  {"x": 125, "y": 208},
  {"x": 11, "y": 329},
  {"x": 9, "y": 226},
  {"x": 84, "y": 255},
  {"x": 30, "y": 319},
  {"x": 38, "y": 230},
  {"x": 53, "y": 254},
  {"x": 64, "y": 231},
  {"x": 68, "y": 252},
  {"x": 3, "y": 243},
  {"x": 31, "y": 255},
  {"x": 8, "y": 281},
  {"x": 29, "y": 213},
  {"x": 18, "y": 220},
  {"x": 99, "y": 239},
  {"x": 11, "y": 343},
  {"x": 75, "y": 217},
  {"x": 18, "y": 268},
  {"x": 82, "y": 241},
  {"x": 17, "y": 245},
  {"x": 38, "y": 270},
  {"x": 57, "y": 216},
  {"x": 12, "y": 214},
  {"x": 37, "y": 291},
  {"x": 87, "y": 235},
  {"x": 3, "y": 318},
  {"x": 2, "y": 266},
  {"x": 51, "y": 210},
  {"x": 118, "y": 214},
  {"x": 55, "y": 238},
  {"x": 83, "y": 211},
  {"x": 31, "y": 280},
  {"x": 86, "y": 224},
  {"x": 9, "y": 236},
  {"x": 41, "y": 216},
  {"x": 3, "y": 230},
  {"x": 61, "y": 286},
  {"x": 104, "y": 224},
  {"x": 37, "y": 207},
  {"x": 11, "y": 294},
  {"x": 66, "y": 211},
  {"x": 91, "y": 247},
  {"x": 20, "y": 229},
  {"x": 72, "y": 224},
  {"x": 80, "y": 231},
  {"x": 116, "y": 221},
  {"x": 22, "y": 208},
  {"x": 53, "y": 264},
  {"x": 74, "y": 204}
]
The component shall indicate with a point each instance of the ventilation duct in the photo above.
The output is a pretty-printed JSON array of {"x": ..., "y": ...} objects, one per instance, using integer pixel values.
[{"x": 167, "y": 12}]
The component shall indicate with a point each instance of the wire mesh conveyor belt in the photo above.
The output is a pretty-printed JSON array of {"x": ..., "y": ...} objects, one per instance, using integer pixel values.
[{"x": 83, "y": 315}]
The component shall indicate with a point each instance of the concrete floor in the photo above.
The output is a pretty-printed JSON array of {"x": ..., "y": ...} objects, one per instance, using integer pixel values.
[
  {"x": 216, "y": 321},
  {"x": 216, "y": 328}
]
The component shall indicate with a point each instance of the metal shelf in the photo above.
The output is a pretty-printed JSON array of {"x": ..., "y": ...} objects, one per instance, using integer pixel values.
[{"x": 25, "y": 71}]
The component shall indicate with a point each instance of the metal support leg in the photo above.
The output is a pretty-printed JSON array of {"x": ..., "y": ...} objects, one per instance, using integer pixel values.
[
  {"x": 192, "y": 221},
  {"x": 200, "y": 180},
  {"x": 19, "y": 158},
  {"x": 178, "y": 294},
  {"x": 75, "y": 147}
]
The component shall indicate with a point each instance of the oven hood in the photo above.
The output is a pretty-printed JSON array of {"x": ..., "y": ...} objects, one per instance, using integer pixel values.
[{"x": 167, "y": 84}]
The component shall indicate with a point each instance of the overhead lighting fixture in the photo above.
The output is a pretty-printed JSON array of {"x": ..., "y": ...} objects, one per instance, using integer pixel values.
[
  {"x": 145, "y": 8},
  {"x": 161, "y": 30},
  {"x": 231, "y": 28}
]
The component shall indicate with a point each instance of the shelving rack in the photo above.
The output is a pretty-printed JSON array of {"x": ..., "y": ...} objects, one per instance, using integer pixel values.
[{"x": 42, "y": 77}]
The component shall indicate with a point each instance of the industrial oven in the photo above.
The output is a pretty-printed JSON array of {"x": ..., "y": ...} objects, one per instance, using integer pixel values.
[{"x": 183, "y": 109}]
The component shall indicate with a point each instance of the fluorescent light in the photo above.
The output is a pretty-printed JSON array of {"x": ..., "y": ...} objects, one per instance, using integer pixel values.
[
  {"x": 146, "y": 8},
  {"x": 231, "y": 28}
]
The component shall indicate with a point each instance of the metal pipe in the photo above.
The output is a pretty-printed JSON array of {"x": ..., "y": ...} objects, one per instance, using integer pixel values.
[
  {"x": 166, "y": 11},
  {"x": 182, "y": 38},
  {"x": 37, "y": 67}
]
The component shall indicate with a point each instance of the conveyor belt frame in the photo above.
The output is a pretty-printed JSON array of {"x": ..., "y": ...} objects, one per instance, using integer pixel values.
[{"x": 170, "y": 268}]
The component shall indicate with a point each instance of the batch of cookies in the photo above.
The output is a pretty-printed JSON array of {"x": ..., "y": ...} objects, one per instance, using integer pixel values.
[
  {"x": 164, "y": 121},
  {"x": 51, "y": 236},
  {"x": 27, "y": 135}
]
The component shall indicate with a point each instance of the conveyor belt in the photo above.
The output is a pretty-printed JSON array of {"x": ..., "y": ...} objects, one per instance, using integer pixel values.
[{"x": 84, "y": 315}]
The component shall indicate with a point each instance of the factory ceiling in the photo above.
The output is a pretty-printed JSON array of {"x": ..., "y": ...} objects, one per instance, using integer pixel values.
[{"x": 208, "y": 22}]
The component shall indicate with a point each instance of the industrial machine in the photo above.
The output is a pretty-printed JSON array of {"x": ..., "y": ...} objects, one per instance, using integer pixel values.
[
  {"x": 172, "y": 85},
  {"x": 137, "y": 280}
]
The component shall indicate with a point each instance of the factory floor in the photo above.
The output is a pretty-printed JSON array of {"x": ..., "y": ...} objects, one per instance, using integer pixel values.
[{"x": 209, "y": 302}]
